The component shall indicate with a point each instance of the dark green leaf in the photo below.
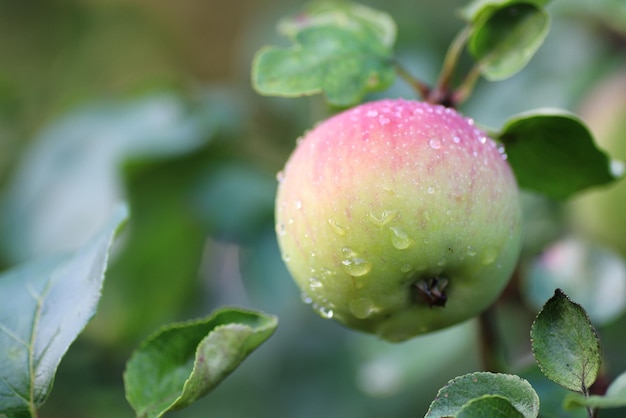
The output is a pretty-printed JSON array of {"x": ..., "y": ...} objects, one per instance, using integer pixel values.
[
  {"x": 43, "y": 307},
  {"x": 489, "y": 406},
  {"x": 454, "y": 396},
  {"x": 482, "y": 9},
  {"x": 615, "y": 397},
  {"x": 183, "y": 362},
  {"x": 505, "y": 41},
  {"x": 565, "y": 344},
  {"x": 343, "y": 50},
  {"x": 552, "y": 152}
]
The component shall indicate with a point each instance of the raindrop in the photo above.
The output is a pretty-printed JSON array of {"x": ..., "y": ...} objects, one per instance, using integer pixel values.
[
  {"x": 286, "y": 258},
  {"x": 400, "y": 239},
  {"x": 372, "y": 113},
  {"x": 470, "y": 121},
  {"x": 383, "y": 120},
  {"x": 431, "y": 190},
  {"x": 456, "y": 139},
  {"x": 315, "y": 283},
  {"x": 325, "y": 312},
  {"x": 471, "y": 251},
  {"x": 483, "y": 139},
  {"x": 280, "y": 176},
  {"x": 442, "y": 262},
  {"x": 489, "y": 256},
  {"x": 362, "y": 307},
  {"x": 385, "y": 217},
  {"x": 617, "y": 168},
  {"x": 338, "y": 229},
  {"x": 306, "y": 298},
  {"x": 356, "y": 267},
  {"x": 280, "y": 229},
  {"x": 405, "y": 268},
  {"x": 348, "y": 252},
  {"x": 434, "y": 143}
]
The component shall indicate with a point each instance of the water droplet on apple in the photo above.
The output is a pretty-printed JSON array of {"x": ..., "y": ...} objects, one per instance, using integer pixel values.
[
  {"x": 338, "y": 229},
  {"x": 362, "y": 308},
  {"x": 315, "y": 283},
  {"x": 489, "y": 256},
  {"x": 385, "y": 217},
  {"x": 306, "y": 298},
  {"x": 383, "y": 120},
  {"x": 483, "y": 139},
  {"x": 400, "y": 239},
  {"x": 280, "y": 229},
  {"x": 372, "y": 113},
  {"x": 280, "y": 177},
  {"x": 471, "y": 251},
  {"x": 325, "y": 312},
  {"x": 456, "y": 139},
  {"x": 286, "y": 258},
  {"x": 442, "y": 262},
  {"x": 434, "y": 143},
  {"x": 357, "y": 266},
  {"x": 348, "y": 252},
  {"x": 431, "y": 190},
  {"x": 405, "y": 268}
]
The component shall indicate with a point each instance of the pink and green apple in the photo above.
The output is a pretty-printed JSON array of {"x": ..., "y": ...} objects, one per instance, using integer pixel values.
[{"x": 398, "y": 218}]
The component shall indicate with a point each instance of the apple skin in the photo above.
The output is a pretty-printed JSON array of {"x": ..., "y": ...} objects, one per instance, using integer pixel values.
[{"x": 391, "y": 194}]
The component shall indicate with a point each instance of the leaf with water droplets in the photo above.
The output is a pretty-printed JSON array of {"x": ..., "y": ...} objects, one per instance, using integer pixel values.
[
  {"x": 184, "y": 362},
  {"x": 44, "y": 305},
  {"x": 457, "y": 395},
  {"x": 341, "y": 49},
  {"x": 565, "y": 344},
  {"x": 553, "y": 152}
]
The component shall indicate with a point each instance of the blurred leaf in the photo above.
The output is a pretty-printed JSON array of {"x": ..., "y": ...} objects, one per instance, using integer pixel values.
[
  {"x": 70, "y": 178},
  {"x": 343, "y": 50},
  {"x": 552, "y": 152},
  {"x": 592, "y": 275},
  {"x": 505, "y": 41},
  {"x": 184, "y": 362},
  {"x": 452, "y": 398},
  {"x": 43, "y": 307},
  {"x": 489, "y": 406},
  {"x": 565, "y": 344},
  {"x": 615, "y": 397},
  {"x": 246, "y": 200},
  {"x": 482, "y": 9}
]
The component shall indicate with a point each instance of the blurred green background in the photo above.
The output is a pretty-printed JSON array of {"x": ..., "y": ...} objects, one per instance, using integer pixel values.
[{"x": 149, "y": 101}]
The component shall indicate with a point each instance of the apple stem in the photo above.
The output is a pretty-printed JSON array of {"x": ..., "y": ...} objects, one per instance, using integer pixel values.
[
  {"x": 419, "y": 86},
  {"x": 441, "y": 94},
  {"x": 492, "y": 351}
]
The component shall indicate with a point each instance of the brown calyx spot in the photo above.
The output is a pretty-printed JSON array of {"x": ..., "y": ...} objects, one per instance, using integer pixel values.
[{"x": 431, "y": 291}]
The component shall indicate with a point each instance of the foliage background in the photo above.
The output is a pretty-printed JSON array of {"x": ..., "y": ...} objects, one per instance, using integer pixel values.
[{"x": 201, "y": 233}]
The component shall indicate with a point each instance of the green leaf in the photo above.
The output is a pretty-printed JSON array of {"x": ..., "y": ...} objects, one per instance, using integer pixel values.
[
  {"x": 565, "y": 344},
  {"x": 43, "y": 307},
  {"x": 183, "y": 362},
  {"x": 615, "y": 397},
  {"x": 489, "y": 406},
  {"x": 553, "y": 153},
  {"x": 481, "y": 9},
  {"x": 459, "y": 392},
  {"x": 504, "y": 41},
  {"x": 341, "y": 49}
]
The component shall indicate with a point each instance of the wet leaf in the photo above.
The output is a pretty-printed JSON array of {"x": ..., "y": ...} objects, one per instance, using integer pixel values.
[
  {"x": 565, "y": 344},
  {"x": 459, "y": 392},
  {"x": 504, "y": 39},
  {"x": 341, "y": 49},
  {"x": 44, "y": 305},
  {"x": 489, "y": 406},
  {"x": 183, "y": 362},
  {"x": 553, "y": 153}
]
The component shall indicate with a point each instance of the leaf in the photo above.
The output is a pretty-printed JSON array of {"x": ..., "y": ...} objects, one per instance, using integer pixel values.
[
  {"x": 343, "y": 50},
  {"x": 183, "y": 362},
  {"x": 43, "y": 307},
  {"x": 504, "y": 41},
  {"x": 457, "y": 393},
  {"x": 615, "y": 397},
  {"x": 481, "y": 9},
  {"x": 552, "y": 152},
  {"x": 565, "y": 344},
  {"x": 585, "y": 271},
  {"x": 489, "y": 406},
  {"x": 70, "y": 177}
]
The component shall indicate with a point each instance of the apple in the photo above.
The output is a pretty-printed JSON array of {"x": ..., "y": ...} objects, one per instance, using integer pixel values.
[{"x": 398, "y": 218}]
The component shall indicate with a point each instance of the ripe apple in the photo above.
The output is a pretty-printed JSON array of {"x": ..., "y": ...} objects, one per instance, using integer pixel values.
[{"x": 398, "y": 218}]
